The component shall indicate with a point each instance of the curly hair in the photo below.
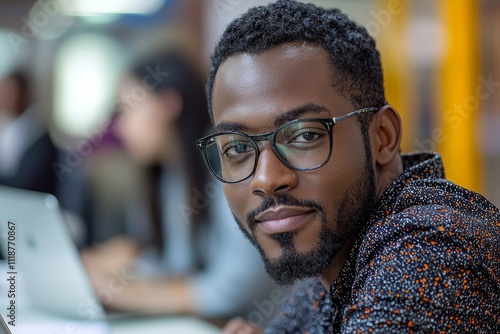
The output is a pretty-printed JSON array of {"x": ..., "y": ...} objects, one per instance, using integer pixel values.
[{"x": 356, "y": 67}]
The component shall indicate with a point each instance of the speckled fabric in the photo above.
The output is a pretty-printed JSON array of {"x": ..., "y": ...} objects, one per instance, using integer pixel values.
[{"x": 428, "y": 261}]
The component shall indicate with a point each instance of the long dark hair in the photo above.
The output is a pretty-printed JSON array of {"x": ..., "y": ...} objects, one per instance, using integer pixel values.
[{"x": 173, "y": 71}]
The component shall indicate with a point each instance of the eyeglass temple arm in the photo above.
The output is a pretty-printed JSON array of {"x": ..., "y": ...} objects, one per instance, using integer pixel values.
[{"x": 354, "y": 113}]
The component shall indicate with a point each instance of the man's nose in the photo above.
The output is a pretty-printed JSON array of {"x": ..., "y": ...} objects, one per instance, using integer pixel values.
[{"x": 271, "y": 175}]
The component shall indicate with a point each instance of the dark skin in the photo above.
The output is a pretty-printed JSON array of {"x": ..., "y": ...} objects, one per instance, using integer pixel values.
[{"x": 255, "y": 94}]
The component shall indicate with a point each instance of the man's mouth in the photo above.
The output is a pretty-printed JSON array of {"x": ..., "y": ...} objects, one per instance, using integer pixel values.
[{"x": 282, "y": 219}]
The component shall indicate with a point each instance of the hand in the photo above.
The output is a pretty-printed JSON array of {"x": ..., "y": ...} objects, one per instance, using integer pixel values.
[
  {"x": 107, "y": 266},
  {"x": 117, "y": 253},
  {"x": 103, "y": 262},
  {"x": 240, "y": 326}
]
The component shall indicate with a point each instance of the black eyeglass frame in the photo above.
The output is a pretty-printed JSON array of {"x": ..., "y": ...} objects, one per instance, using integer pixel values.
[{"x": 202, "y": 143}]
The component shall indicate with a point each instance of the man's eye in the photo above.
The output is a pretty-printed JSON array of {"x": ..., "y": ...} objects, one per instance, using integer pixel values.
[
  {"x": 236, "y": 149},
  {"x": 306, "y": 136}
]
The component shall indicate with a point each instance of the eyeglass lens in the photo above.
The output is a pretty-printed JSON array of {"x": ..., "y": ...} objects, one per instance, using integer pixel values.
[{"x": 301, "y": 145}]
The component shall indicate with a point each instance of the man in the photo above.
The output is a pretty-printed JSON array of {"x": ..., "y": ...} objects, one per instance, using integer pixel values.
[{"x": 386, "y": 243}]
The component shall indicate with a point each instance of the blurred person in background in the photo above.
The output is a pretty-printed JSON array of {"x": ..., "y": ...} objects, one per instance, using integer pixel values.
[
  {"x": 28, "y": 155},
  {"x": 186, "y": 254},
  {"x": 26, "y": 150}
]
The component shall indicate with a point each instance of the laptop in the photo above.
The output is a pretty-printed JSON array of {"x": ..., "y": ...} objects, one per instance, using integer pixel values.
[
  {"x": 39, "y": 251},
  {"x": 54, "y": 279}
]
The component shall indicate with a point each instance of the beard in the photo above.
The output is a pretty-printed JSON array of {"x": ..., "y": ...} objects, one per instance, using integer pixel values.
[{"x": 352, "y": 214}]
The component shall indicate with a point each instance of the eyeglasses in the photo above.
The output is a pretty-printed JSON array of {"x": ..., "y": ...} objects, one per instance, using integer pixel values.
[{"x": 302, "y": 144}]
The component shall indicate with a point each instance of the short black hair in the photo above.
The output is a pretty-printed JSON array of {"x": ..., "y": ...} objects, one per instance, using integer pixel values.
[{"x": 352, "y": 51}]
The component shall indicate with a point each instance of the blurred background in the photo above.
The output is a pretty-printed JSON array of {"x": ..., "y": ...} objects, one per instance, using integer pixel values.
[
  {"x": 65, "y": 61},
  {"x": 441, "y": 61}
]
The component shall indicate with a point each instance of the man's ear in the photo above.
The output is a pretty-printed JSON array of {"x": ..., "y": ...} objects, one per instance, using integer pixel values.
[
  {"x": 172, "y": 103},
  {"x": 386, "y": 132}
]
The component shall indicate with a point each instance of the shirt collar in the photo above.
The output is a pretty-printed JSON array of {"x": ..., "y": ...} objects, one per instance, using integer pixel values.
[{"x": 416, "y": 166}]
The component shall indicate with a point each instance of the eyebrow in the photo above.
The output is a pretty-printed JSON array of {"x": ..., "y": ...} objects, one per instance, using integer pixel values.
[
  {"x": 290, "y": 115},
  {"x": 299, "y": 111}
]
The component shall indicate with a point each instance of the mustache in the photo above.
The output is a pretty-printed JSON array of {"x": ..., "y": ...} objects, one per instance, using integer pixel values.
[{"x": 282, "y": 199}]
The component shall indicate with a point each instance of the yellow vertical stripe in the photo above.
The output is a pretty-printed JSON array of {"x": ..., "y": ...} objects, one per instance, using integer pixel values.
[
  {"x": 396, "y": 64},
  {"x": 458, "y": 102}
]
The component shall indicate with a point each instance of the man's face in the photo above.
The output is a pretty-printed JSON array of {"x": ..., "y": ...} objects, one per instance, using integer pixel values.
[{"x": 297, "y": 219}]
